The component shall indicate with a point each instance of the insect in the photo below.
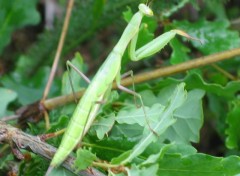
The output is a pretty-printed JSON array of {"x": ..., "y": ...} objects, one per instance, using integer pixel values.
[{"x": 102, "y": 82}]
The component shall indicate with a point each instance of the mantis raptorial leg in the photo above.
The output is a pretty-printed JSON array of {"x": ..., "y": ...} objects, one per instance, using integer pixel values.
[
  {"x": 107, "y": 73},
  {"x": 133, "y": 84}
]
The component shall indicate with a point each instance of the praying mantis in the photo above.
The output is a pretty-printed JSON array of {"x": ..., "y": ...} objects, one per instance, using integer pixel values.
[{"x": 102, "y": 82}]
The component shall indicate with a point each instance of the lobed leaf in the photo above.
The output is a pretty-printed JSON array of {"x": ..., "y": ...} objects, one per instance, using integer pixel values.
[
  {"x": 27, "y": 86},
  {"x": 136, "y": 171},
  {"x": 195, "y": 81},
  {"x": 189, "y": 120},
  {"x": 103, "y": 125},
  {"x": 165, "y": 120}
]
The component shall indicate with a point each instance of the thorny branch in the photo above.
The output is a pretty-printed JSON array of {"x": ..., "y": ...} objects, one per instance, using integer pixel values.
[{"x": 17, "y": 139}]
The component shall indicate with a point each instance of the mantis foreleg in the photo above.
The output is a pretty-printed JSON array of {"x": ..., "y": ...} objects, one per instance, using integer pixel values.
[{"x": 155, "y": 45}]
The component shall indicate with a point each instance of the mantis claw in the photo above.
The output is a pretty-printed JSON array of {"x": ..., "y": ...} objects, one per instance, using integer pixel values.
[{"x": 182, "y": 33}]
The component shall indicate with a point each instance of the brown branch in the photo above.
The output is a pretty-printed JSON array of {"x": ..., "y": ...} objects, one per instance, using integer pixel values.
[
  {"x": 161, "y": 72},
  {"x": 59, "y": 49},
  {"x": 20, "y": 140},
  {"x": 171, "y": 70}
]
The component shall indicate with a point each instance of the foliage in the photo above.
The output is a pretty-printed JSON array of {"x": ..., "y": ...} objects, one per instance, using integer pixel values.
[
  {"x": 7, "y": 96},
  {"x": 15, "y": 15},
  {"x": 189, "y": 115}
]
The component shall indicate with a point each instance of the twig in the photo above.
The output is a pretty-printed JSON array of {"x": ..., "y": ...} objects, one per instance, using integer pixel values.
[
  {"x": 11, "y": 117},
  {"x": 59, "y": 49},
  {"x": 194, "y": 63},
  {"x": 161, "y": 72},
  {"x": 20, "y": 140}
]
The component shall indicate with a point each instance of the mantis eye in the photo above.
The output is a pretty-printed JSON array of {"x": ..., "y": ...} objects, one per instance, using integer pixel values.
[{"x": 145, "y": 10}]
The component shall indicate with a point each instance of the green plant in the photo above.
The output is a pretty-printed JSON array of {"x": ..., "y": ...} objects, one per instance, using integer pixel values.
[{"x": 203, "y": 98}]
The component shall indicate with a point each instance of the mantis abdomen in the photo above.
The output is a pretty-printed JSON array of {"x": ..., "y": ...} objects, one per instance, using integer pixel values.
[{"x": 96, "y": 89}]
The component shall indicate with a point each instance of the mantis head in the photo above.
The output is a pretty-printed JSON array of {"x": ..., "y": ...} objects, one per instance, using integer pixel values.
[{"x": 145, "y": 10}]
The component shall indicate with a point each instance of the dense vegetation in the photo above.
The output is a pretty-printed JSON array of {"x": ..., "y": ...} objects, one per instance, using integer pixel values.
[{"x": 194, "y": 111}]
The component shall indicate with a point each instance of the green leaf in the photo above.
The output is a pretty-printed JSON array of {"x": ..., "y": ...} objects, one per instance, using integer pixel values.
[
  {"x": 198, "y": 165},
  {"x": 195, "y": 81},
  {"x": 121, "y": 157},
  {"x": 165, "y": 120},
  {"x": 97, "y": 11},
  {"x": 172, "y": 148},
  {"x": 154, "y": 157},
  {"x": 175, "y": 159},
  {"x": 27, "y": 86},
  {"x": 217, "y": 8},
  {"x": 137, "y": 171},
  {"x": 103, "y": 125},
  {"x": 189, "y": 120},
  {"x": 60, "y": 123},
  {"x": 111, "y": 146},
  {"x": 84, "y": 159},
  {"x": 7, "y": 96},
  {"x": 136, "y": 116},
  {"x": 179, "y": 53},
  {"x": 233, "y": 132},
  {"x": 215, "y": 34},
  {"x": 14, "y": 15},
  {"x": 127, "y": 14},
  {"x": 129, "y": 131}
]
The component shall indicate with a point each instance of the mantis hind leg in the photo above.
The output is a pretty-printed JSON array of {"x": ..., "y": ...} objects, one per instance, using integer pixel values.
[
  {"x": 69, "y": 64},
  {"x": 140, "y": 98},
  {"x": 130, "y": 72}
]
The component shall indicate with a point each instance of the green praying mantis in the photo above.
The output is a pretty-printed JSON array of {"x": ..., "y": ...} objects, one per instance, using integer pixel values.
[{"x": 87, "y": 108}]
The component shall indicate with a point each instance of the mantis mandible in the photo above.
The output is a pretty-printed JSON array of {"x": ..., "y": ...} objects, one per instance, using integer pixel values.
[{"x": 108, "y": 72}]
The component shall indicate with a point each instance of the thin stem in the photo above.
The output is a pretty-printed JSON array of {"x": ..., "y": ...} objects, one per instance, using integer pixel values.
[
  {"x": 161, "y": 72},
  {"x": 46, "y": 118},
  {"x": 101, "y": 147},
  {"x": 45, "y": 137},
  {"x": 11, "y": 117},
  {"x": 60, "y": 132},
  {"x": 104, "y": 165},
  {"x": 194, "y": 63},
  {"x": 224, "y": 72},
  {"x": 59, "y": 49}
]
